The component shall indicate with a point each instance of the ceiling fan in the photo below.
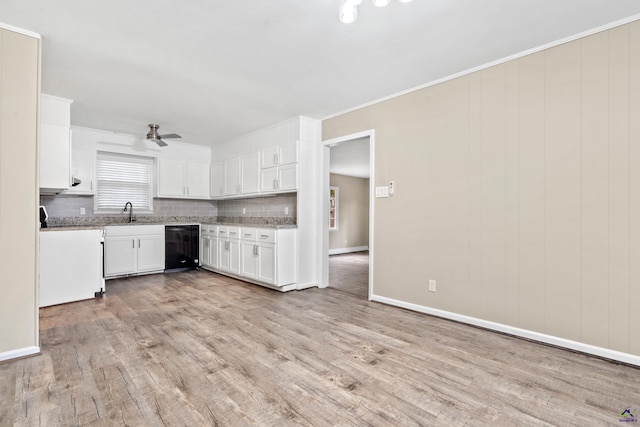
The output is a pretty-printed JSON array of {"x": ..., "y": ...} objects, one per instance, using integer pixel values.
[{"x": 154, "y": 136}]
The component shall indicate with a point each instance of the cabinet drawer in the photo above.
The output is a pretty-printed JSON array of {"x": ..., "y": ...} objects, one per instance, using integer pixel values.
[
  {"x": 267, "y": 235},
  {"x": 133, "y": 230},
  {"x": 211, "y": 230},
  {"x": 234, "y": 232},
  {"x": 249, "y": 233}
]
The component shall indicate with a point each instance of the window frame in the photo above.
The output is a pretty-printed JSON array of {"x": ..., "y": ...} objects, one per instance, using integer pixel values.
[{"x": 124, "y": 158}]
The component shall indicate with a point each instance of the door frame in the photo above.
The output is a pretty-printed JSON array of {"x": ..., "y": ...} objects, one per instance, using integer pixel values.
[{"x": 326, "y": 145}]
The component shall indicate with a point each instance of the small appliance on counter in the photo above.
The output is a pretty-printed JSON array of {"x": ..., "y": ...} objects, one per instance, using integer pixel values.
[{"x": 43, "y": 217}]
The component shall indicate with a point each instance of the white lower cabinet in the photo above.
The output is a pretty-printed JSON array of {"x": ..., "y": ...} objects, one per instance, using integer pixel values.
[
  {"x": 265, "y": 256},
  {"x": 209, "y": 246},
  {"x": 229, "y": 249},
  {"x": 133, "y": 249}
]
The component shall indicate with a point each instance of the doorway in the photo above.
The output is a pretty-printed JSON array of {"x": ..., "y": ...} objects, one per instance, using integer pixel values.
[{"x": 347, "y": 256}]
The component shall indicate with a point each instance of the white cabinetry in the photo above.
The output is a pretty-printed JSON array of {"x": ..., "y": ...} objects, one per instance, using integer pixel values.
[
  {"x": 232, "y": 176},
  {"x": 209, "y": 246},
  {"x": 83, "y": 165},
  {"x": 55, "y": 144},
  {"x": 279, "y": 155},
  {"x": 264, "y": 256},
  {"x": 229, "y": 249},
  {"x": 279, "y": 169},
  {"x": 182, "y": 179},
  {"x": 70, "y": 266},
  {"x": 217, "y": 179},
  {"x": 250, "y": 173},
  {"x": 133, "y": 249}
]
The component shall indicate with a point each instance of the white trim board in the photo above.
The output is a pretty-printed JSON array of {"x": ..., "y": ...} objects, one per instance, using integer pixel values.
[
  {"x": 21, "y": 352},
  {"x": 511, "y": 330},
  {"x": 19, "y": 31},
  {"x": 339, "y": 251}
]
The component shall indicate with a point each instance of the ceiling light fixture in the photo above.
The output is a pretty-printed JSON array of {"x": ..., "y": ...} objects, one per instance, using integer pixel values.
[{"x": 348, "y": 11}]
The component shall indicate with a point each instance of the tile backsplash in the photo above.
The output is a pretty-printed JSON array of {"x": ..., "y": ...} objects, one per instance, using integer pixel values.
[
  {"x": 66, "y": 209},
  {"x": 281, "y": 206}
]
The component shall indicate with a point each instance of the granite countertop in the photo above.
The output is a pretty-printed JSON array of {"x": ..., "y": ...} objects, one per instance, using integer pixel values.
[{"x": 98, "y": 223}]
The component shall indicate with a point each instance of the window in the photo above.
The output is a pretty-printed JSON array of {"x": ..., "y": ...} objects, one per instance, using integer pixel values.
[
  {"x": 333, "y": 207},
  {"x": 121, "y": 179}
]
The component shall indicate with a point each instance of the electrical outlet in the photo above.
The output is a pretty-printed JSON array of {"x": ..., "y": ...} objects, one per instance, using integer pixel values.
[
  {"x": 432, "y": 286},
  {"x": 286, "y": 210},
  {"x": 83, "y": 211},
  {"x": 244, "y": 211}
]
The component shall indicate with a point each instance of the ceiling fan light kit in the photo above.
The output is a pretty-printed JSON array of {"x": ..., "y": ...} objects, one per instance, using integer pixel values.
[
  {"x": 348, "y": 10},
  {"x": 154, "y": 136}
]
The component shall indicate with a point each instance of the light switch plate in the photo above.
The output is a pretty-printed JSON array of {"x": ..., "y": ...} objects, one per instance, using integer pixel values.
[{"x": 382, "y": 191}]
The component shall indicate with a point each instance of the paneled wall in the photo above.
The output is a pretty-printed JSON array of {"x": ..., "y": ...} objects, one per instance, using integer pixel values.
[
  {"x": 19, "y": 94},
  {"x": 518, "y": 190}
]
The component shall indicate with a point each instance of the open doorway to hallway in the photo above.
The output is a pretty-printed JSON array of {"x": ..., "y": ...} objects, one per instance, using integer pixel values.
[{"x": 348, "y": 242}]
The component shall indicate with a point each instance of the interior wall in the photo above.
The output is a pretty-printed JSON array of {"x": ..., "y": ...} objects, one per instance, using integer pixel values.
[
  {"x": 19, "y": 94},
  {"x": 353, "y": 213},
  {"x": 518, "y": 190}
]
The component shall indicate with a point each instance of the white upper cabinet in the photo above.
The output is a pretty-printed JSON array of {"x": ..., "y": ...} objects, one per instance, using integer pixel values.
[
  {"x": 232, "y": 176},
  {"x": 280, "y": 155},
  {"x": 197, "y": 180},
  {"x": 250, "y": 182},
  {"x": 217, "y": 179},
  {"x": 55, "y": 144},
  {"x": 83, "y": 166},
  {"x": 279, "y": 172},
  {"x": 184, "y": 180}
]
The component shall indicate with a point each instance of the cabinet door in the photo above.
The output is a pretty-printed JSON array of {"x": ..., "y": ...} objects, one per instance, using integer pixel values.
[
  {"x": 150, "y": 252},
  {"x": 248, "y": 259},
  {"x": 171, "y": 178},
  {"x": 214, "y": 250},
  {"x": 217, "y": 179},
  {"x": 223, "y": 254},
  {"x": 269, "y": 157},
  {"x": 83, "y": 164},
  {"x": 232, "y": 176},
  {"x": 198, "y": 180},
  {"x": 268, "y": 179},
  {"x": 287, "y": 177},
  {"x": 119, "y": 255},
  {"x": 54, "y": 156},
  {"x": 234, "y": 256},
  {"x": 205, "y": 251},
  {"x": 251, "y": 173},
  {"x": 288, "y": 154},
  {"x": 267, "y": 263}
]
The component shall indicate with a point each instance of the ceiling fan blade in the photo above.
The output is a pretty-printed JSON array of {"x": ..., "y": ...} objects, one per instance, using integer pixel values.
[
  {"x": 170, "y": 135},
  {"x": 160, "y": 142}
]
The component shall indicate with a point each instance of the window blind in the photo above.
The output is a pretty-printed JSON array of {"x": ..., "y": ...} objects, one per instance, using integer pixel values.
[{"x": 123, "y": 179}]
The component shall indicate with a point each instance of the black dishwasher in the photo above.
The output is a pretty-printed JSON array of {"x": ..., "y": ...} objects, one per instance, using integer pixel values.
[{"x": 182, "y": 247}]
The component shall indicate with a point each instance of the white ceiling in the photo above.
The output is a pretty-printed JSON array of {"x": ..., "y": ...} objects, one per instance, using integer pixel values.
[
  {"x": 212, "y": 70},
  {"x": 351, "y": 158}
]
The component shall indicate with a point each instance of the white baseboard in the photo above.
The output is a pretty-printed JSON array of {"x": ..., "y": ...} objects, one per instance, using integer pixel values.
[
  {"x": 524, "y": 333},
  {"x": 301, "y": 286},
  {"x": 348, "y": 250},
  {"x": 21, "y": 352}
]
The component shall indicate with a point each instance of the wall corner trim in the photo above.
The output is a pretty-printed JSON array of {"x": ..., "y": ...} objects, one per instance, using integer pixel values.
[
  {"x": 21, "y": 352},
  {"x": 511, "y": 330},
  {"x": 20, "y": 31}
]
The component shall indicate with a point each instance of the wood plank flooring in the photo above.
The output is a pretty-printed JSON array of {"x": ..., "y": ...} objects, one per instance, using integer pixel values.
[{"x": 200, "y": 349}]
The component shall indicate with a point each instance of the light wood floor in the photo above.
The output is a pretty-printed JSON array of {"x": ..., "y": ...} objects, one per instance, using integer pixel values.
[{"x": 197, "y": 349}]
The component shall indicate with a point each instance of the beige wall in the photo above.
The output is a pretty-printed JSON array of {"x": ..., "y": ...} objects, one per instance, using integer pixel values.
[
  {"x": 19, "y": 93},
  {"x": 518, "y": 190},
  {"x": 353, "y": 212}
]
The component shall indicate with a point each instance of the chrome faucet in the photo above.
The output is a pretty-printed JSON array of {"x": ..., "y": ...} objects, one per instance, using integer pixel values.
[{"x": 131, "y": 218}]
